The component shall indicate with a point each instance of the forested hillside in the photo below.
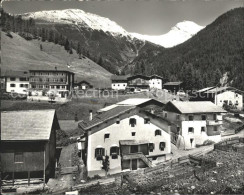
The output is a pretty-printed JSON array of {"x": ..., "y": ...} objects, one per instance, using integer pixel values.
[{"x": 203, "y": 59}]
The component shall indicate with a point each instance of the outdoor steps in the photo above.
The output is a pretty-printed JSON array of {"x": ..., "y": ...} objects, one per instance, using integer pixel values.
[{"x": 138, "y": 155}]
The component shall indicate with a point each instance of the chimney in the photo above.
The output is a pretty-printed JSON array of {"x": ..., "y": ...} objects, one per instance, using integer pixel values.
[{"x": 90, "y": 115}]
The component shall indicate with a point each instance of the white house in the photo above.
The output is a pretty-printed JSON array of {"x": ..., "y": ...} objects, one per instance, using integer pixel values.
[
  {"x": 194, "y": 122},
  {"x": 16, "y": 81},
  {"x": 221, "y": 95},
  {"x": 132, "y": 138},
  {"x": 119, "y": 82},
  {"x": 155, "y": 82}
]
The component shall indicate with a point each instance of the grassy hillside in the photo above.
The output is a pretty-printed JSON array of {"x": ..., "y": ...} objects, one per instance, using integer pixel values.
[{"x": 20, "y": 54}]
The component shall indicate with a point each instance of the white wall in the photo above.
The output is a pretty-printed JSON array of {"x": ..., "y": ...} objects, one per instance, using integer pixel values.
[
  {"x": 17, "y": 88},
  {"x": 119, "y": 132},
  {"x": 230, "y": 96},
  {"x": 155, "y": 83},
  {"x": 119, "y": 86}
]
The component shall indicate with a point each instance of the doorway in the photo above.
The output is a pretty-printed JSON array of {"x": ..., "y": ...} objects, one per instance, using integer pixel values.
[{"x": 134, "y": 164}]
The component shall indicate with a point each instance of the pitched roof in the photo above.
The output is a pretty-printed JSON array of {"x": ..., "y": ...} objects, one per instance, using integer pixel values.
[
  {"x": 14, "y": 73},
  {"x": 51, "y": 68},
  {"x": 138, "y": 76},
  {"x": 222, "y": 89},
  {"x": 104, "y": 116},
  {"x": 205, "y": 89},
  {"x": 127, "y": 102},
  {"x": 173, "y": 83},
  {"x": 26, "y": 125},
  {"x": 156, "y": 76},
  {"x": 196, "y": 107},
  {"x": 119, "y": 78}
]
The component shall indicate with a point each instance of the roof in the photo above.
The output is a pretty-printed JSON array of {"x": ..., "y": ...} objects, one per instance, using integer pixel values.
[
  {"x": 13, "y": 73},
  {"x": 173, "y": 83},
  {"x": 204, "y": 89},
  {"x": 51, "y": 68},
  {"x": 26, "y": 125},
  {"x": 83, "y": 81},
  {"x": 196, "y": 107},
  {"x": 127, "y": 102},
  {"x": 119, "y": 78},
  {"x": 104, "y": 116},
  {"x": 156, "y": 76},
  {"x": 222, "y": 89},
  {"x": 138, "y": 76}
]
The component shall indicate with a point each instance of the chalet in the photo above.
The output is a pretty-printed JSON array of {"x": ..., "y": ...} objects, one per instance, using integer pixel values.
[
  {"x": 50, "y": 84},
  {"x": 173, "y": 87},
  {"x": 84, "y": 85},
  {"x": 131, "y": 136},
  {"x": 155, "y": 82},
  {"x": 15, "y": 81},
  {"x": 194, "y": 122},
  {"x": 119, "y": 82},
  {"x": 28, "y": 142},
  {"x": 221, "y": 96},
  {"x": 138, "y": 83}
]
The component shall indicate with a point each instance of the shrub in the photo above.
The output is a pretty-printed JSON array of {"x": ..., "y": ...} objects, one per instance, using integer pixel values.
[{"x": 208, "y": 142}]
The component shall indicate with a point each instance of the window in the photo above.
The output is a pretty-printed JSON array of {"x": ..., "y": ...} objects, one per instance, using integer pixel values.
[
  {"x": 23, "y": 79},
  {"x": 63, "y": 87},
  {"x": 191, "y": 118},
  {"x": 52, "y": 87},
  {"x": 61, "y": 80},
  {"x": 40, "y": 79},
  {"x": 117, "y": 121},
  {"x": 166, "y": 115},
  {"x": 190, "y": 130},
  {"x": 202, "y": 129},
  {"x": 12, "y": 85},
  {"x": 204, "y": 117},
  {"x": 154, "y": 158},
  {"x": 18, "y": 157},
  {"x": 236, "y": 94},
  {"x": 58, "y": 87},
  {"x": 47, "y": 79},
  {"x": 178, "y": 129},
  {"x": 158, "y": 132},
  {"x": 114, "y": 152},
  {"x": 26, "y": 85},
  {"x": 106, "y": 135},
  {"x": 12, "y": 78},
  {"x": 99, "y": 153},
  {"x": 114, "y": 84},
  {"x": 161, "y": 146},
  {"x": 215, "y": 128},
  {"x": 177, "y": 117},
  {"x": 118, "y": 85},
  {"x": 132, "y": 122},
  {"x": 236, "y": 103},
  {"x": 151, "y": 147},
  {"x": 133, "y": 134},
  {"x": 21, "y": 85},
  {"x": 215, "y": 117},
  {"x": 146, "y": 120}
]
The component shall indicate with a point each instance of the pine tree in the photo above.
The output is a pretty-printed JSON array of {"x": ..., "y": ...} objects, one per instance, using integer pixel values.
[
  {"x": 41, "y": 48},
  {"x": 78, "y": 51},
  {"x": 67, "y": 45}
]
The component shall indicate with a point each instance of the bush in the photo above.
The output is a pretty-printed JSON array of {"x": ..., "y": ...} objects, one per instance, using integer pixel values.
[{"x": 208, "y": 142}]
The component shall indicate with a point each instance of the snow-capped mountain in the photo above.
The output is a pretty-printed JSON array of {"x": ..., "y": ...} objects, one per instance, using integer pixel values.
[
  {"x": 79, "y": 17},
  {"x": 178, "y": 34}
]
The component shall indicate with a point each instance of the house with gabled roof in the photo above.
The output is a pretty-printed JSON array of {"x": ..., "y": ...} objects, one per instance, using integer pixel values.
[
  {"x": 194, "y": 122},
  {"x": 221, "y": 96},
  {"x": 119, "y": 82},
  {"x": 133, "y": 138},
  {"x": 28, "y": 145},
  {"x": 173, "y": 87}
]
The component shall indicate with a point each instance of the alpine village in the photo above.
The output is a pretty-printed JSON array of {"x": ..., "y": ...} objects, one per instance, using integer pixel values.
[{"x": 91, "y": 111}]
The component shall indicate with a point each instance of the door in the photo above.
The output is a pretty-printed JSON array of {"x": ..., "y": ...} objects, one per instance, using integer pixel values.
[{"x": 134, "y": 164}]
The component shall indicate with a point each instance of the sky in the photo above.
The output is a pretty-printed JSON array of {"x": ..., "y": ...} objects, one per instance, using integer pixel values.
[{"x": 151, "y": 17}]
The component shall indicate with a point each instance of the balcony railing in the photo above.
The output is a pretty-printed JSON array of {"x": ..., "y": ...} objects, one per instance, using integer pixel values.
[{"x": 214, "y": 122}]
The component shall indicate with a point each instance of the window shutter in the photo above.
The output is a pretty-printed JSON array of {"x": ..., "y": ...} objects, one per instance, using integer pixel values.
[
  {"x": 103, "y": 151},
  {"x": 96, "y": 152}
]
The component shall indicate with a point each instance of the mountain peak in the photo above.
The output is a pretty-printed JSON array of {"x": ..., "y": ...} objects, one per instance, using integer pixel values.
[
  {"x": 178, "y": 34},
  {"x": 78, "y": 17}
]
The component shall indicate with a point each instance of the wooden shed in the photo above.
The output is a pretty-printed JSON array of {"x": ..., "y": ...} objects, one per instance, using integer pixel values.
[{"x": 28, "y": 145}]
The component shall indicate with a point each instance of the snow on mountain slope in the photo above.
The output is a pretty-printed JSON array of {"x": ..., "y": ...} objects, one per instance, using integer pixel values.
[
  {"x": 79, "y": 17},
  {"x": 178, "y": 34}
]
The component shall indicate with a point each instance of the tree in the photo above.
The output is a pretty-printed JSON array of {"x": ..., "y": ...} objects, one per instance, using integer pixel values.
[
  {"x": 105, "y": 164},
  {"x": 41, "y": 48},
  {"x": 78, "y": 51},
  {"x": 67, "y": 45},
  {"x": 51, "y": 36}
]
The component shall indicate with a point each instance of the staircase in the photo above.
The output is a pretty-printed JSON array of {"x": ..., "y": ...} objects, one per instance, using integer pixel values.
[{"x": 138, "y": 155}]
